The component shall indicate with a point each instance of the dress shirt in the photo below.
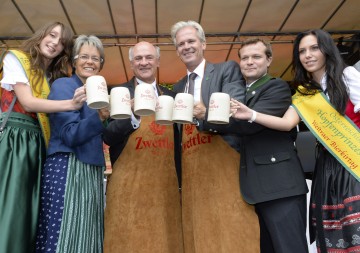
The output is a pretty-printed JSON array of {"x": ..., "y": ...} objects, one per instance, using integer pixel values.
[{"x": 198, "y": 80}]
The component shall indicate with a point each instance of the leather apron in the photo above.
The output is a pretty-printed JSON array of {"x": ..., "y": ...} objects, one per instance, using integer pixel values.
[
  {"x": 143, "y": 212},
  {"x": 215, "y": 217}
]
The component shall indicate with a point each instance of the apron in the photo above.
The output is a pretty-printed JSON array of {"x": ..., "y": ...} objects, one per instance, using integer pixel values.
[
  {"x": 143, "y": 212},
  {"x": 215, "y": 217}
]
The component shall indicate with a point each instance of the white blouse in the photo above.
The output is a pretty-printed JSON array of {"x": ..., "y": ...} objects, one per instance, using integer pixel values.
[
  {"x": 13, "y": 73},
  {"x": 351, "y": 78}
]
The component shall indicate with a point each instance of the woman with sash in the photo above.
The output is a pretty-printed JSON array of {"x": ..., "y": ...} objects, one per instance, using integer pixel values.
[
  {"x": 328, "y": 101},
  {"x": 27, "y": 74},
  {"x": 72, "y": 198}
]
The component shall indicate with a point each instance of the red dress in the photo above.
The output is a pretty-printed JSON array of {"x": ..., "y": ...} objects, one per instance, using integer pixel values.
[{"x": 6, "y": 98}]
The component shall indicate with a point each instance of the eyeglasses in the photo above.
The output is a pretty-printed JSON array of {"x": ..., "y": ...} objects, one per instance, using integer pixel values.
[{"x": 85, "y": 57}]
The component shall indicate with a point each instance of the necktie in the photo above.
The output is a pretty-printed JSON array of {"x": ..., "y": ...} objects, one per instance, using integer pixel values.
[{"x": 192, "y": 77}]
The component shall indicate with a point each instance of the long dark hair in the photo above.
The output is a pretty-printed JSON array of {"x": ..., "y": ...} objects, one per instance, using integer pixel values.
[
  {"x": 60, "y": 65},
  {"x": 334, "y": 67}
]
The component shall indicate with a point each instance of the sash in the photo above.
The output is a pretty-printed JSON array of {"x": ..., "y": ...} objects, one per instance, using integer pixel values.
[
  {"x": 45, "y": 90},
  {"x": 337, "y": 133}
]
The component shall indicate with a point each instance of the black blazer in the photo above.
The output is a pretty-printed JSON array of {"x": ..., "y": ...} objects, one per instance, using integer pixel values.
[{"x": 269, "y": 167}]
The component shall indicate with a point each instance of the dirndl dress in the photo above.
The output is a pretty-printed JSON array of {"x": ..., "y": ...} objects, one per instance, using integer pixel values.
[
  {"x": 22, "y": 155},
  {"x": 335, "y": 203},
  {"x": 72, "y": 206}
]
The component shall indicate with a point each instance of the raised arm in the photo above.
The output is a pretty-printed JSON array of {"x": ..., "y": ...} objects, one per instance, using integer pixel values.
[
  {"x": 33, "y": 104},
  {"x": 286, "y": 123}
]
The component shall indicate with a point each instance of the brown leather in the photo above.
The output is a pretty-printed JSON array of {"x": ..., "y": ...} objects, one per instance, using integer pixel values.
[
  {"x": 143, "y": 212},
  {"x": 215, "y": 217}
]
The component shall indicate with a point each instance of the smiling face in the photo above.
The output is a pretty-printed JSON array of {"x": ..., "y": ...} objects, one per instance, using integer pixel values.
[
  {"x": 87, "y": 67},
  {"x": 51, "y": 45},
  {"x": 311, "y": 57},
  {"x": 253, "y": 61},
  {"x": 145, "y": 61},
  {"x": 189, "y": 47}
]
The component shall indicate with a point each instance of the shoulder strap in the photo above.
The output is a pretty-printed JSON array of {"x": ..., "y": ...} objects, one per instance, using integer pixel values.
[{"x": 7, "y": 115}]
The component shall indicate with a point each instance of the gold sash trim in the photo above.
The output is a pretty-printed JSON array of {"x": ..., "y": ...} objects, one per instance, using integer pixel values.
[
  {"x": 45, "y": 90},
  {"x": 337, "y": 133}
]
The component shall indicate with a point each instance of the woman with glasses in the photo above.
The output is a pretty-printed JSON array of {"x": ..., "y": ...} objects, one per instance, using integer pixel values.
[{"x": 72, "y": 204}]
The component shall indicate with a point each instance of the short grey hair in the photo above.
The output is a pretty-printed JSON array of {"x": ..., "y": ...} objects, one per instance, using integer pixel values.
[
  {"x": 181, "y": 24},
  {"x": 90, "y": 40},
  {"x": 131, "y": 52}
]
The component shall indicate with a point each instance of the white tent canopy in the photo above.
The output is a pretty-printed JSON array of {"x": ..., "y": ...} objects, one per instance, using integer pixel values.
[{"x": 121, "y": 23}]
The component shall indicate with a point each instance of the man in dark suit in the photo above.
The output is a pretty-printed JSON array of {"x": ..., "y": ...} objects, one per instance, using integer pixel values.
[
  {"x": 143, "y": 212},
  {"x": 271, "y": 176},
  {"x": 215, "y": 218}
]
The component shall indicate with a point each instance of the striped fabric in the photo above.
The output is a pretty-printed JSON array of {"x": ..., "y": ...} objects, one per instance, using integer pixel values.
[{"x": 82, "y": 228}]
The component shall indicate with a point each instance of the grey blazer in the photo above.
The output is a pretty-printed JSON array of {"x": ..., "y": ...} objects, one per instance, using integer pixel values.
[{"x": 222, "y": 77}]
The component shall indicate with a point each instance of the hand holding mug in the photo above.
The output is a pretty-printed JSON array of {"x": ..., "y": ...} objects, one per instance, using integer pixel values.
[
  {"x": 199, "y": 110},
  {"x": 104, "y": 113},
  {"x": 79, "y": 98},
  {"x": 239, "y": 110}
]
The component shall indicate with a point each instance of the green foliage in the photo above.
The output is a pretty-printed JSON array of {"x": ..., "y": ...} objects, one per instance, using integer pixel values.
[{"x": 167, "y": 85}]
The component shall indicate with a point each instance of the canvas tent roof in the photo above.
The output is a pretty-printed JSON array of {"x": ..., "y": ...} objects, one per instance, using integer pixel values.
[{"x": 121, "y": 23}]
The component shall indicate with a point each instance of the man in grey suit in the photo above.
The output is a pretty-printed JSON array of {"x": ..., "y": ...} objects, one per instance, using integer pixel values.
[
  {"x": 214, "y": 216},
  {"x": 271, "y": 176}
]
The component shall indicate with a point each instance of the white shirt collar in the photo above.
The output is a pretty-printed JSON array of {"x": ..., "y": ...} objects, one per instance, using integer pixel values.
[{"x": 200, "y": 69}]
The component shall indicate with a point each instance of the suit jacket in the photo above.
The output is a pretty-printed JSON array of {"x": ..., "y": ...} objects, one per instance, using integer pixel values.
[
  {"x": 269, "y": 167},
  {"x": 221, "y": 77}
]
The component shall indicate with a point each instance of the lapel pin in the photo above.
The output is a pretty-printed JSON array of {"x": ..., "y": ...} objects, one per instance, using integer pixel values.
[{"x": 253, "y": 92}]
